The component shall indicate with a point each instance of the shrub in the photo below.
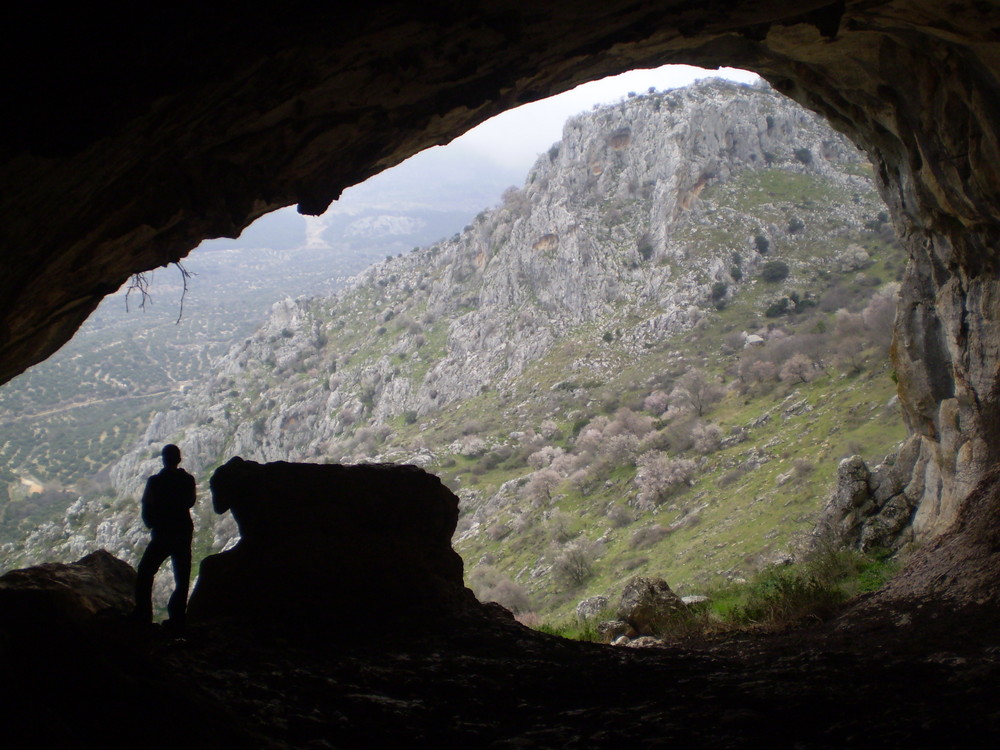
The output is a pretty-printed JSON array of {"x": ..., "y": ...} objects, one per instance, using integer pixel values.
[
  {"x": 560, "y": 527},
  {"x": 695, "y": 391},
  {"x": 515, "y": 201},
  {"x": 508, "y": 594},
  {"x": 796, "y": 225},
  {"x": 677, "y": 435},
  {"x": 762, "y": 243},
  {"x": 574, "y": 565},
  {"x": 732, "y": 342},
  {"x": 732, "y": 476},
  {"x": 550, "y": 430},
  {"x": 659, "y": 476},
  {"x": 804, "y": 155},
  {"x": 544, "y": 457},
  {"x": 647, "y": 536},
  {"x": 706, "y": 437},
  {"x": 615, "y": 451},
  {"x": 719, "y": 289},
  {"x": 802, "y": 467},
  {"x": 656, "y": 402},
  {"x": 631, "y": 563},
  {"x": 497, "y": 531},
  {"x": 483, "y": 577},
  {"x": 850, "y": 355},
  {"x": 774, "y": 270},
  {"x": 540, "y": 486},
  {"x": 620, "y": 516},
  {"x": 628, "y": 422},
  {"x": 779, "y": 596},
  {"x": 798, "y": 369},
  {"x": 777, "y": 308},
  {"x": 489, "y": 585},
  {"x": 879, "y": 315}
]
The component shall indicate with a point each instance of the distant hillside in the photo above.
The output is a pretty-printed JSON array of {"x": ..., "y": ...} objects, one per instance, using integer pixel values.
[
  {"x": 648, "y": 359},
  {"x": 66, "y": 420}
]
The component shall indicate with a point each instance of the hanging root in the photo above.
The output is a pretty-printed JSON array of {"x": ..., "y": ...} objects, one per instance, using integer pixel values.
[{"x": 140, "y": 283}]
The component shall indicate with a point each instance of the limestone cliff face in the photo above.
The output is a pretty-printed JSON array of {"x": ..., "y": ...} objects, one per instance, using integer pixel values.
[
  {"x": 607, "y": 234},
  {"x": 600, "y": 229}
]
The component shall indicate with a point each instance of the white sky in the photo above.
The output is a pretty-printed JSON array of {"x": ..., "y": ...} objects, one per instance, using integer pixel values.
[{"x": 517, "y": 136}]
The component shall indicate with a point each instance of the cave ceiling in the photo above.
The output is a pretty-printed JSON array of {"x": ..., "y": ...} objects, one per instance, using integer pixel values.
[{"x": 129, "y": 139}]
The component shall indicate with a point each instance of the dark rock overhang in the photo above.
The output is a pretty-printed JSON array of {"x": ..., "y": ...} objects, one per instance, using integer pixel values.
[{"x": 129, "y": 138}]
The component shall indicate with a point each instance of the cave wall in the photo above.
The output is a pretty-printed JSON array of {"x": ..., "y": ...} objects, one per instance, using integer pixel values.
[{"x": 130, "y": 139}]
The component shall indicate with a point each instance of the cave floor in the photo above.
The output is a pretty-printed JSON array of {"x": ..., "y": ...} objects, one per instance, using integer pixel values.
[
  {"x": 924, "y": 675},
  {"x": 921, "y": 674}
]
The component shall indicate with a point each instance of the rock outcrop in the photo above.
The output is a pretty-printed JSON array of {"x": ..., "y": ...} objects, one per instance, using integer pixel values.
[
  {"x": 338, "y": 544},
  {"x": 648, "y": 605},
  {"x": 96, "y": 584},
  {"x": 873, "y": 509}
]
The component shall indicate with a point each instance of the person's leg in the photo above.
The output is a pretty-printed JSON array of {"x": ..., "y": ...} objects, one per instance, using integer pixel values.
[
  {"x": 151, "y": 561},
  {"x": 177, "y": 606}
]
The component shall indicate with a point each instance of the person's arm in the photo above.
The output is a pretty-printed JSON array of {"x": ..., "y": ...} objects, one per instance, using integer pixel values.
[
  {"x": 192, "y": 496},
  {"x": 148, "y": 501}
]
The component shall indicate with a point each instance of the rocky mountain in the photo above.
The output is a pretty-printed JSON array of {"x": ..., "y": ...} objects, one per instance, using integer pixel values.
[{"x": 649, "y": 358}]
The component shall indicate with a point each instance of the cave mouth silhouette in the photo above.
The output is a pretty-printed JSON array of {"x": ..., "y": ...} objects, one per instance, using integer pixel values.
[
  {"x": 140, "y": 128},
  {"x": 118, "y": 160}
]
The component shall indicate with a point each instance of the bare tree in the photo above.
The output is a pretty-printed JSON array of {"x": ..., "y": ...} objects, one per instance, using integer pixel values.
[
  {"x": 574, "y": 565},
  {"x": 707, "y": 437},
  {"x": 695, "y": 390},
  {"x": 851, "y": 354},
  {"x": 544, "y": 456},
  {"x": 798, "y": 369},
  {"x": 539, "y": 488},
  {"x": 880, "y": 314},
  {"x": 659, "y": 476}
]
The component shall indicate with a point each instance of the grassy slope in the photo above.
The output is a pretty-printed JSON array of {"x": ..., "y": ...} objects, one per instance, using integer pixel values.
[{"x": 737, "y": 518}]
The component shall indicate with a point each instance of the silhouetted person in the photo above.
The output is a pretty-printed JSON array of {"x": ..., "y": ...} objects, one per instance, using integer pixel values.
[{"x": 166, "y": 510}]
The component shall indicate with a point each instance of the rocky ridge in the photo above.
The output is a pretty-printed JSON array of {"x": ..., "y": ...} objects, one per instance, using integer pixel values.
[{"x": 613, "y": 242}]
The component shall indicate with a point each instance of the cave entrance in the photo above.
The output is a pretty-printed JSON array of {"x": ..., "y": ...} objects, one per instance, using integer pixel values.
[{"x": 589, "y": 420}]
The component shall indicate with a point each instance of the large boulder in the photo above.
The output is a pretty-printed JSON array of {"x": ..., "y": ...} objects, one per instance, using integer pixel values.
[
  {"x": 648, "y": 605},
  {"x": 872, "y": 510},
  {"x": 591, "y": 607},
  {"x": 368, "y": 544},
  {"x": 96, "y": 584}
]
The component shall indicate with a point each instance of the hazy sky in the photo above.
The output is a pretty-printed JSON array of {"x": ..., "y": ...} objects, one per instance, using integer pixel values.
[{"x": 517, "y": 136}]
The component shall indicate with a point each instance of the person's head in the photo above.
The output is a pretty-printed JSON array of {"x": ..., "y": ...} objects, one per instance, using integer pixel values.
[{"x": 171, "y": 456}]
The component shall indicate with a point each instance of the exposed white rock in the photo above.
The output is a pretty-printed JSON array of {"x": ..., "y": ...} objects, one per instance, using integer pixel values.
[{"x": 602, "y": 238}]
